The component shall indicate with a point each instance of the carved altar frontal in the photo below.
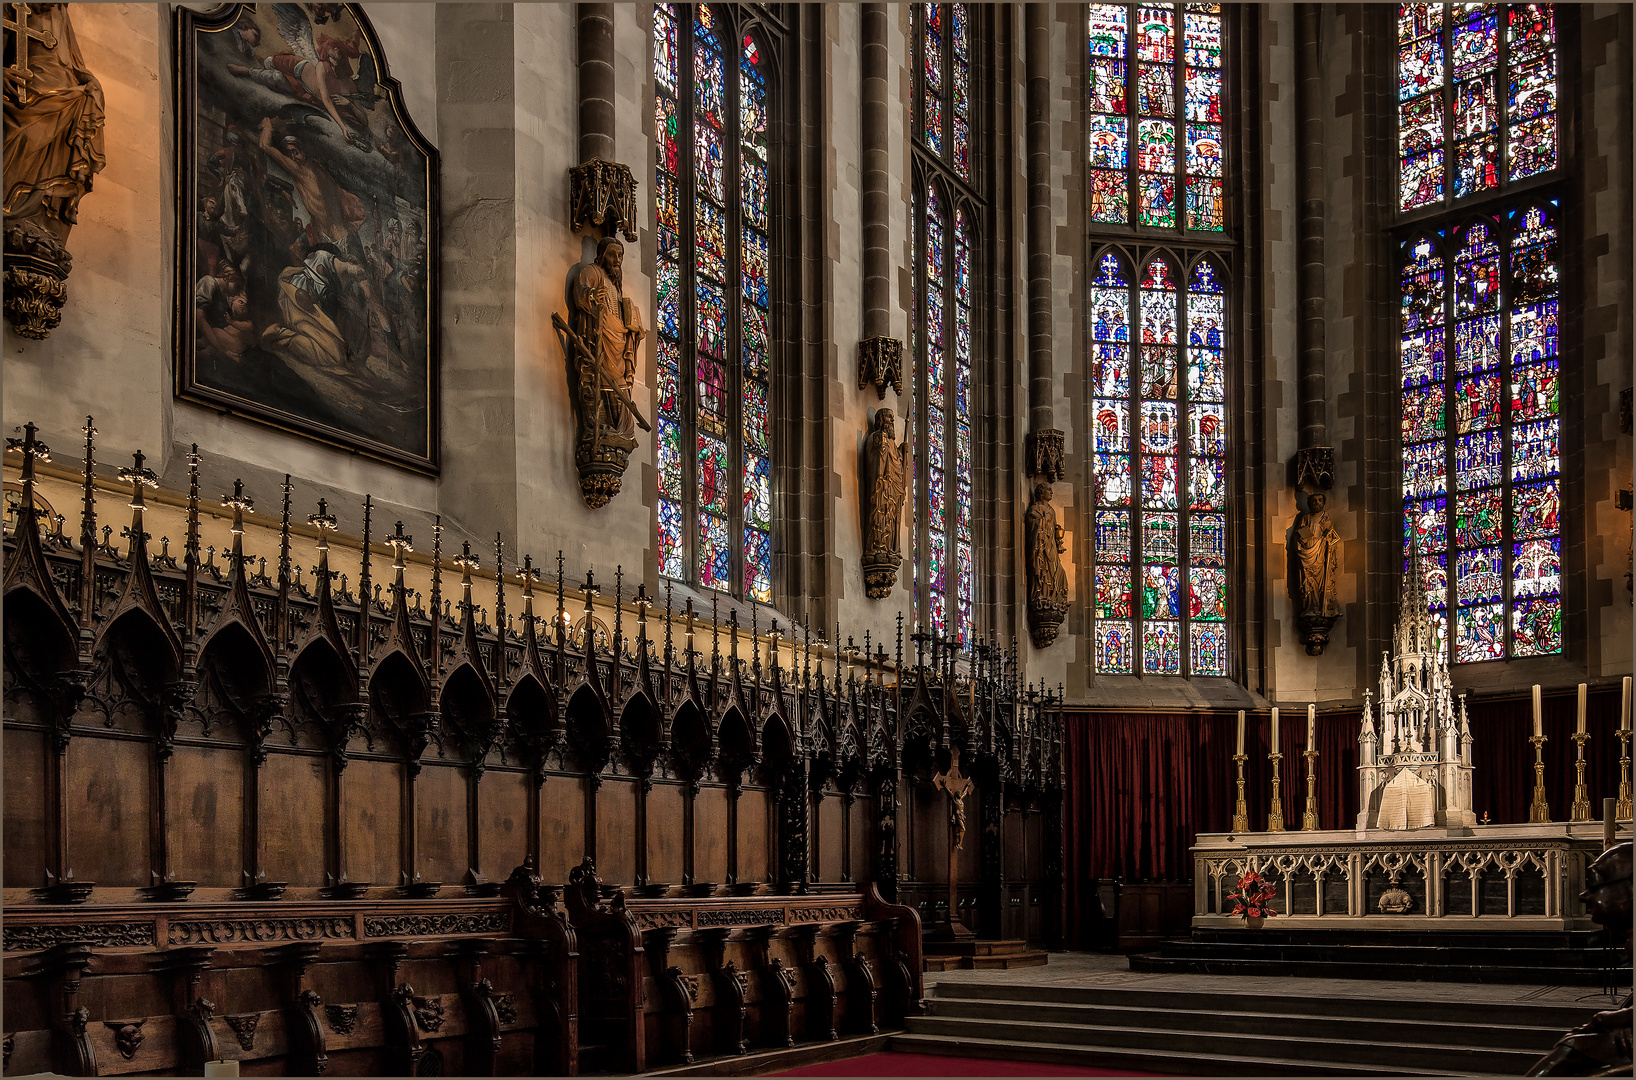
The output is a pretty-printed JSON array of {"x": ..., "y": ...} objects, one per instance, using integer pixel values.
[{"x": 1500, "y": 877}]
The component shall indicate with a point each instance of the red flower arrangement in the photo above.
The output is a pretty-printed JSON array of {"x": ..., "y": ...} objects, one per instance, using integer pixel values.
[{"x": 1250, "y": 900}]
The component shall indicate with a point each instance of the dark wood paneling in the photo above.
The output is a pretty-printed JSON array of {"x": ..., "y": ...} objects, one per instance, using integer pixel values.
[
  {"x": 1015, "y": 857},
  {"x": 615, "y": 832},
  {"x": 752, "y": 835},
  {"x": 204, "y": 814},
  {"x": 440, "y": 823},
  {"x": 107, "y": 782},
  {"x": 562, "y": 827},
  {"x": 827, "y": 855},
  {"x": 710, "y": 834},
  {"x": 292, "y": 818},
  {"x": 26, "y": 854},
  {"x": 502, "y": 801},
  {"x": 863, "y": 838},
  {"x": 372, "y": 801},
  {"x": 664, "y": 839}
]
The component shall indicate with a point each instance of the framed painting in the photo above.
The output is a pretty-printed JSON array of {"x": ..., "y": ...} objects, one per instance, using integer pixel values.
[{"x": 308, "y": 231}]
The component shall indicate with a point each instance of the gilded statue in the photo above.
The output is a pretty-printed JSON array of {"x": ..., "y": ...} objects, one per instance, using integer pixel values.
[
  {"x": 1317, "y": 548},
  {"x": 600, "y": 347},
  {"x": 54, "y": 121},
  {"x": 885, "y": 482},
  {"x": 1047, "y": 583}
]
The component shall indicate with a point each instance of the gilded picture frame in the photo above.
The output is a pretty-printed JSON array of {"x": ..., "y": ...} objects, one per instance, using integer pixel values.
[{"x": 307, "y": 231}]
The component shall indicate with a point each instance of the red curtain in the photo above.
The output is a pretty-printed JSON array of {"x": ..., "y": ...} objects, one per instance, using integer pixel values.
[{"x": 1141, "y": 786}]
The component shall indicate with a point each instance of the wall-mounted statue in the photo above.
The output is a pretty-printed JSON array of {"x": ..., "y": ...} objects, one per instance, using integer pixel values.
[
  {"x": 885, "y": 481},
  {"x": 1047, "y": 583},
  {"x": 1317, "y": 571},
  {"x": 54, "y": 119},
  {"x": 600, "y": 349}
]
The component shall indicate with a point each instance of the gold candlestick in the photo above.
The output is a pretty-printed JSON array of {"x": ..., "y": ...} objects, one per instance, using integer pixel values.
[
  {"x": 1582, "y": 796},
  {"x": 1275, "y": 814},
  {"x": 1241, "y": 809},
  {"x": 1539, "y": 810},
  {"x": 1309, "y": 820},
  {"x": 1621, "y": 808}
]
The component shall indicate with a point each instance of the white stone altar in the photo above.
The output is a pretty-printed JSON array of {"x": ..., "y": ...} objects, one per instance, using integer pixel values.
[
  {"x": 1416, "y": 859},
  {"x": 1511, "y": 877}
]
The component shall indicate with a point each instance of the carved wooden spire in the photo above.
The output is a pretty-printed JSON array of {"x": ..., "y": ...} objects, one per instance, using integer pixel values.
[
  {"x": 499, "y": 610},
  {"x": 88, "y": 544},
  {"x": 363, "y": 588}
]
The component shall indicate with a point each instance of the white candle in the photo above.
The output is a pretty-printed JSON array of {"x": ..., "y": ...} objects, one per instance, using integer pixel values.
[
  {"x": 221, "y": 1068},
  {"x": 1624, "y": 706},
  {"x": 1275, "y": 729},
  {"x": 1312, "y": 725},
  {"x": 1240, "y": 750},
  {"x": 1584, "y": 691},
  {"x": 1539, "y": 716}
]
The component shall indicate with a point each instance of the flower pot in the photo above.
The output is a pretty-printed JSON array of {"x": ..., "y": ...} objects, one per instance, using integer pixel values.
[{"x": 1254, "y": 923}]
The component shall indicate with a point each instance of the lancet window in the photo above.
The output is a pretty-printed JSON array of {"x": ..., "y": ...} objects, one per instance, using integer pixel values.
[
  {"x": 1156, "y": 83},
  {"x": 1154, "y": 115},
  {"x": 1158, "y": 373},
  {"x": 713, "y": 96},
  {"x": 1479, "y": 349},
  {"x": 943, "y": 321}
]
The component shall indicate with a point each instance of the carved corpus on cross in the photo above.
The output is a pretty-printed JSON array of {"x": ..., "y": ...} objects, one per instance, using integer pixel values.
[{"x": 956, "y": 785}]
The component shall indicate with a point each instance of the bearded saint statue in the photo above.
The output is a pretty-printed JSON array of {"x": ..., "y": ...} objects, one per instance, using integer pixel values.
[
  {"x": 609, "y": 324},
  {"x": 1318, "y": 552}
]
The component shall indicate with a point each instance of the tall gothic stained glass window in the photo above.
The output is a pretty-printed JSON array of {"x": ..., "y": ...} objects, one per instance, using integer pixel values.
[
  {"x": 1479, "y": 326},
  {"x": 712, "y": 96},
  {"x": 942, "y": 331},
  {"x": 1476, "y": 87},
  {"x": 1154, "y": 115},
  {"x": 1158, "y": 375}
]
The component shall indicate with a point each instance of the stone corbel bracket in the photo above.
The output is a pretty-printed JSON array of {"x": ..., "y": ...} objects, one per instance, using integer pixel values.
[
  {"x": 880, "y": 361},
  {"x": 602, "y": 196}
]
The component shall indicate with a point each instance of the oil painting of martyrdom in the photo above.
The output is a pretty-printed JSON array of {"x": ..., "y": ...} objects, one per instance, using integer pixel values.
[{"x": 308, "y": 231}]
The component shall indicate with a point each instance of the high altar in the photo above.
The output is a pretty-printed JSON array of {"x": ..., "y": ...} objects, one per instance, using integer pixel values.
[{"x": 1417, "y": 859}]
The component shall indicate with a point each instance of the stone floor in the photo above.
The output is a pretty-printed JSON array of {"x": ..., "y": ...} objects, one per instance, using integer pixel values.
[{"x": 1112, "y": 970}]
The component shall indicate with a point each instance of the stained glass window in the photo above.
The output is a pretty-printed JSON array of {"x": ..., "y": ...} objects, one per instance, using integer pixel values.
[
  {"x": 715, "y": 270},
  {"x": 1476, "y": 90},
  {"x": 938, "y": 393},
  {"x": 1478, "y": 348},
  {"x": 1159, "y": 440},
  {"x": 1154, "y": 115},
  {"x": 1481, "y": 428}
]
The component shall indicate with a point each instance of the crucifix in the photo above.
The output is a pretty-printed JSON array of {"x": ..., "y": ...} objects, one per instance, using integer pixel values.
[
  {"x": 21, "y": 32},
  {"x": 956, "y": 785}
]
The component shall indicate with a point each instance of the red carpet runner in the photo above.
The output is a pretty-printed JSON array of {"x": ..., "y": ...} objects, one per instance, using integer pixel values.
[{"x": 939, "y": 1065}]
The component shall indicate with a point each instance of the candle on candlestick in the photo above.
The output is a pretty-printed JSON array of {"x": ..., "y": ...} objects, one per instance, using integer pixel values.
[
  {"x": 1539, "y": 714},
  {"x": 1275, "y": 729},
  {"x": 1584, "y": 692},
  {"x": 1312, "y": 725},
  {"x": 1240, "y": 749},
  {"x": 1624, "y": 705}
]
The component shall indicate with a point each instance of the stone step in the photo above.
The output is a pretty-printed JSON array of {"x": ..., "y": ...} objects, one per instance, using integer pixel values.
[
  {"x": 1536, "y": 1040},
  {"x": 975, "y": 947},
  {"x": 1424, "y": 955},
  {"x": 1461, "y": 1056},
  {"x": 1169, "y": 1062},
  {"x": 1497, "y": 971},
  {"x": 1408, "y": 1006},
  {"x": 1276, "y": 932}
]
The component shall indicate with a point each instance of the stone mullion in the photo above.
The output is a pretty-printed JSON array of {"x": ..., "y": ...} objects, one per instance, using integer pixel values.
[{"x": 687, "y": 345}]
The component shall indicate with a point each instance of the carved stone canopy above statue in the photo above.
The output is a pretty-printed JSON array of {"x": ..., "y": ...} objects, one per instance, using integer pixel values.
[{"x": 54, "y": 121}]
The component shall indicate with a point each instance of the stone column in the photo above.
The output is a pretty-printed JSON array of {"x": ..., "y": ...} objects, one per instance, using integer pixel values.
[
  {"x": 880, "y": 356},
  {"x": 602, "y": 191},
  {"x": 1044, "y": 447},
  {"x": 1314, "y": 457}
]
